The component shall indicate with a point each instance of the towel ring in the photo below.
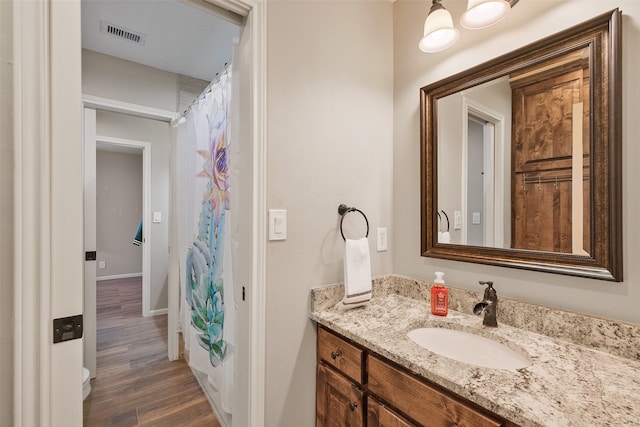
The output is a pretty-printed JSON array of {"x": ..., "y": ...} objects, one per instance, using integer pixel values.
[
  {"x": 446, "y": 216},
  {"x": 343, "y": 210}
]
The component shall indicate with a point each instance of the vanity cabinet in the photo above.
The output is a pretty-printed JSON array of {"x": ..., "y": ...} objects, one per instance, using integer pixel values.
[
  {"x": 354, "y": 384},
  {"x": 339, "y": 390}
]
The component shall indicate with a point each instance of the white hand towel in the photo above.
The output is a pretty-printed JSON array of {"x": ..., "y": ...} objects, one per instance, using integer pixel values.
[
  {"x": 444, "y": 237},
  {"x": 357, "y": 274}
]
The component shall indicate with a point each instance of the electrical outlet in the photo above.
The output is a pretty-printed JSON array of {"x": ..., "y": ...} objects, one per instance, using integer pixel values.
[
  {"x": 382, "y": 239},
  {"x": 102, "y": 264}
]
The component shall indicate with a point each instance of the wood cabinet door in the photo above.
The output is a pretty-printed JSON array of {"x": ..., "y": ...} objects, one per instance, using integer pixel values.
[
  {"x": 381, "y": 416},
  {"x": 545, "y": 147},
  {"x": 339, "y": 402}
]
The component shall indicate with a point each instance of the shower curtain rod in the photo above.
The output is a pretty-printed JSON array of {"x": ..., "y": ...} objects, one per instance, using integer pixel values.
[{"x": 216, "y": 80}]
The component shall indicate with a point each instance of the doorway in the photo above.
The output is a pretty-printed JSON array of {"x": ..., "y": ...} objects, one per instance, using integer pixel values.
[
  {"x": 479, "y": 183},
  {"x": 483, "y": 150},
  {"x": 91, "y": 142},
  {"x": 177, "y": 269},
  {"x": 56, "y": 57}
]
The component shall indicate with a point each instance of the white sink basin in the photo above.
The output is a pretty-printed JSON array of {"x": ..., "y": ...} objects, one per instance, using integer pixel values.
[{"x": 468, "y": 348}]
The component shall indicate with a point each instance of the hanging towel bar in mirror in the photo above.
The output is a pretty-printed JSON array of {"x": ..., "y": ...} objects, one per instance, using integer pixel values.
[
  {"x": 343, "y": 210},
  {"x": 440, "y": 220}
]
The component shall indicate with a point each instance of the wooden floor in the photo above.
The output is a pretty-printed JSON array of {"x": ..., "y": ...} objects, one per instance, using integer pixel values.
[{"x": 136, "y": 385}]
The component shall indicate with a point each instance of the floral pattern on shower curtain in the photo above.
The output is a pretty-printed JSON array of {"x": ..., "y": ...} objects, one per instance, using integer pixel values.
[
  {"x": 205, "y": 290},
  {"x": 208, "y": 315}
]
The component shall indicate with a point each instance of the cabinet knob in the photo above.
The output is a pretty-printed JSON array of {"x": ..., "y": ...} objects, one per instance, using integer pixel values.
[
  {"x": 353, "y": 406},
  {"x": 336, "y": 354}
]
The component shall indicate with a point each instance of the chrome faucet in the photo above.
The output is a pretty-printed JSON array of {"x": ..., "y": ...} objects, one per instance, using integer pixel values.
[{"x": 488, "y": 306}]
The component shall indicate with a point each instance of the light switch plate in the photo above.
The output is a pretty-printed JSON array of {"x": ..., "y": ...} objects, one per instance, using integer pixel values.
[
  {"x": 457, "y": 220},
  {"x": 277, "y": 224},
  {"x": 475, "y": 217},
  {"x": 157, "y": 217}
]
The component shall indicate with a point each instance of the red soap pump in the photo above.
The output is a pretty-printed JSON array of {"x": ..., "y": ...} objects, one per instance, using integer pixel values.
[{"x": 439, "y": 296}]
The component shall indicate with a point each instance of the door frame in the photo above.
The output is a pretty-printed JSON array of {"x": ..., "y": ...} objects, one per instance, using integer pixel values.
[
  {"x": 48, "y": 258},
  {"x": 495, "y": 155},
  {"x": 106, "y": 104},
  {"x": 145, "y": 146},
  {"x": 90, "y": 140},
  {"x": 48, "y": 206},
  {"x": 253, "y": 63}
]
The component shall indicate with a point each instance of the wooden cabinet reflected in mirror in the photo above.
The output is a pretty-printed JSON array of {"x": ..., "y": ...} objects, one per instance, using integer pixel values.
[
  {"x": 523, "y": 152},
  {"x": 550, "y": 152}
]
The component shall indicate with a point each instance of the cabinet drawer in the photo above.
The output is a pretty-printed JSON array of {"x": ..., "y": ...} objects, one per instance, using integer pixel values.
[
  {"x": 380, "y": 416},
  {"x": 419, "y": 401},
  {"x": 340, "y": 354}
]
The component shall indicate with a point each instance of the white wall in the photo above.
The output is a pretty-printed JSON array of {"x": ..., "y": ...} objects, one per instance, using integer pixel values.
[
  {"x": 527, "y": 22},
  {"x": 118, "y": 212},
  {"x": 6, "y": 215},
  {"x": 330, "y": 110},
  {"x": 158, "y": 134}
]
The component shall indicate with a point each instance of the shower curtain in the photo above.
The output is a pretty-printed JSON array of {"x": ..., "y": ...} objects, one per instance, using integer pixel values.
[{"x": 204, "y": 218}]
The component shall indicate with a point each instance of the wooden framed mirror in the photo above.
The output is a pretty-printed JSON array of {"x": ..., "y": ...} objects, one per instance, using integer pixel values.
[{"x": 521, "y": 157}]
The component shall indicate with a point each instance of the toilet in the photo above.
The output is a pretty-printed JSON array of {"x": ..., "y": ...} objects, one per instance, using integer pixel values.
[{"x": 86, "y": 383}]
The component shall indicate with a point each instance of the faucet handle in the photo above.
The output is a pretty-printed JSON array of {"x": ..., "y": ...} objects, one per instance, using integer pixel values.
[
  {"x": 489, "y": 283},
  {"x": 489, "y": 293}
]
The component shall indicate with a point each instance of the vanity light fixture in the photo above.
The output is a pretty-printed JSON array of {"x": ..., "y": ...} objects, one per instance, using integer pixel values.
[
  {"x": 439, "y": 32},
  {"x": 484, "y": 13}
]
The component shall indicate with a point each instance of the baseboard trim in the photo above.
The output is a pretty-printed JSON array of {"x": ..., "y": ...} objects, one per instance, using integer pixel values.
[
  {"x": 158, "y": 312},
  {"x": 118, "y": 276},
  {"x": 213, "y": 396}
]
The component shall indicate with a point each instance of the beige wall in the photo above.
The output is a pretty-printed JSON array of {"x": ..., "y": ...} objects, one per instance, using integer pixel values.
[
  {"x": 6, "y": 215},
  {"x": 117, "y": 79},
  {"x": 110, "y": 77},
  {"x": 528, "y": 21},
  {"x": 330, "y": 106},
  {"x": 118, "y": 212},
  {"x": 158, "y": 134}
]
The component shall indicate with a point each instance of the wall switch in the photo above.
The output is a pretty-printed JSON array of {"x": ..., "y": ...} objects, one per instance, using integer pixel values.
[
  {"x": 457, "y": 220},
  {"x": 475, "y": 217},
  {"x": 382, "y": 239},
  {"x": 277, "y": 224},
  {"x": 157, "y": 217},
  {"x": 102, "y": 264}
]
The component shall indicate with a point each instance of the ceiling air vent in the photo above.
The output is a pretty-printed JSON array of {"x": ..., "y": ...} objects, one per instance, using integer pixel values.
[{"x": 122, "y": 33}]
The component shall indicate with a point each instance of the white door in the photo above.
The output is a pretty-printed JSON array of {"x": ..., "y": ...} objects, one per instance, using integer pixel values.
[
  {"x": 48, "y": 233},
  {"x": 66, "y": 206}
]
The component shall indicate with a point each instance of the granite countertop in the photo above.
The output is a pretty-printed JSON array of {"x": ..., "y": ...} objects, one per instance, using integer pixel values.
[{"x": 565, "y": 385}]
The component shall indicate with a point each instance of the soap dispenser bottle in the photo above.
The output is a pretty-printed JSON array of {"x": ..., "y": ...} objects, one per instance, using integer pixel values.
[{"x": 439, "y": 296}]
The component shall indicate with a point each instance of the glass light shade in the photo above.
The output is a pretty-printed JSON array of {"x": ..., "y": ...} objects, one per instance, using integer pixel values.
[
  {"x": 484, "y": 13},
  {"x": 439, "y": 32}
]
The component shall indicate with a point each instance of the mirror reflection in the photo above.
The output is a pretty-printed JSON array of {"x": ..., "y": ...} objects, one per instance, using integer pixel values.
[
  {"x": 521, "y": 157},
  {"x": 513, "y": 159}
]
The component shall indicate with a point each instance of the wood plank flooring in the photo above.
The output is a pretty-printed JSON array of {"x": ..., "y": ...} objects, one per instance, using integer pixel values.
[{"x": 136, "y": 385}]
